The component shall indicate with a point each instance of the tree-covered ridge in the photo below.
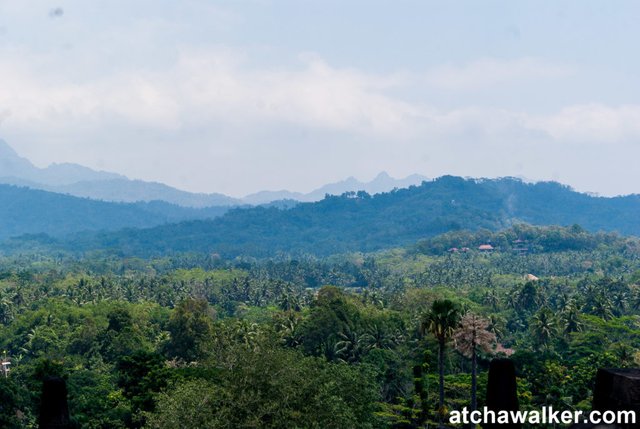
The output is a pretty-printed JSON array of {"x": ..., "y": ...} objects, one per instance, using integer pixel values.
[
  {"x": 350, "y": 222},
  {"x": 360, "y": 222},
  {"x": 29, "y": 211},
  {"x": 527, "y": 239},
  {"x": 347, "y": 341}
]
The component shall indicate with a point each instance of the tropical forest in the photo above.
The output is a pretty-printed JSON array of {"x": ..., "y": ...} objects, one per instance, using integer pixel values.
[{"x": 388, "y": 339}]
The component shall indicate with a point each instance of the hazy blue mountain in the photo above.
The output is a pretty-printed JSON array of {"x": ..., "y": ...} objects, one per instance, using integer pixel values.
[
  {"x": 31, "y": 211},
  {"x": 14, "y": 168},
  {"x": 381, "y": 183},
  {"x": 81, "y": 181},
  {"x": 126, "y": 190},
  {"x": 11, "y": 164},
  {"x": 361, "y": 222},
  {"x": 264, "y": 197}
]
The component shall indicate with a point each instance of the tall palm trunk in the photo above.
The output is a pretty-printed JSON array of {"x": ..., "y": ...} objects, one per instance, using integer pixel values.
[
  {"x": 441, "y": 345},
  {"x": 474, "y": 376},
  {"x": 474, "y": 383}
]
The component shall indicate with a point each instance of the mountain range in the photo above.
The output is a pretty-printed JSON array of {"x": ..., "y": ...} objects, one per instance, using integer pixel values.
[
  {"x": 33, "y": 211},
  {"x": 80, "y": 181},
  {"x": 75, "y": 208},
  {"x": 361, "y": 222},
  {"x": 381, "y": 183}
]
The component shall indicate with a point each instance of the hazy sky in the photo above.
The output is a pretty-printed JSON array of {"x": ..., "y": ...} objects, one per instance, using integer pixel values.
[{"x": 241, "y": 95}]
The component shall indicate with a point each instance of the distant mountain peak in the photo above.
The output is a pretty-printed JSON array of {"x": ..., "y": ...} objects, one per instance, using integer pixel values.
[
  {"x": 382, "y": 175},
  {"x": 6, "y": 151},
  {"x": 81, "y": 181},
  {"x": 382, "y": 182},
  {"x": 13, "y": 165}
]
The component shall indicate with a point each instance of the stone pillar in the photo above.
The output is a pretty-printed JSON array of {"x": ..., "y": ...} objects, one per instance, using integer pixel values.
[
  {"x": 615, "y": 390},
  {"x": 502, "y": 391},
  {"x": 618, "y": 390},
  {"x": 54, "y": 410}
]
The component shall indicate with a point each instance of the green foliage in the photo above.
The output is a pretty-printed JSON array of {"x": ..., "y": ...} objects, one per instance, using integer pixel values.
[
  {"x": 272, "y": 388},
  {"x": 190, "y": 326},
  {"x": 140, "y": 377},
  {"x": 14, "y": 404},
  {"x": 195, "y": 340}
]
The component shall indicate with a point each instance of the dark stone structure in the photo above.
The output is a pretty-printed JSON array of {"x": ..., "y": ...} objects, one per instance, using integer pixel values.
[
  {"x": 54, "y": 410},
  {"x": 502, "y": 391},
  {"x": 616, "y": 390}
]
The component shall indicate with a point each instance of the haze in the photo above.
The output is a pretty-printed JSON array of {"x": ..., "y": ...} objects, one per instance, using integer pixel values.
[{"x": 241, "y": 96}]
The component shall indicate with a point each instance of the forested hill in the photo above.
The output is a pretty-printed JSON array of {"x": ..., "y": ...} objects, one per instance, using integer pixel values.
[
  {"x": 29, "y": 211},
  {"x": 363, "y": 222}
]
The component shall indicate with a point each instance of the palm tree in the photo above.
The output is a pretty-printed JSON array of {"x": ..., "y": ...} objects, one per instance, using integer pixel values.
[
  {"x": 351, "y": 346},
  {"x": 6, "y": 310},
  {"x": 635, "y": 299},
  {"x": 491, "y": 299},
  {"x": 529, "y": 297},
  {"x": 620, "y": 300},
  {"x": 379, "y": 337},
  {"x": 543, "y": 325},
  {"x": 473, "y": 336},
  {"x": 512, "y": 299},
  {"x": 441, "y": 321},
  {"x": 496, "y": 325},
  {"x": 288, "y": 326},
  {"x": 288, "y": 301},
  {"x": 602, "y": 307},
  {"x": 571, "y": 318}
]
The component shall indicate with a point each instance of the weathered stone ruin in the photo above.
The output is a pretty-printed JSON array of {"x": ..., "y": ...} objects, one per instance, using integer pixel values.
[{"x": 54, "y": 410}]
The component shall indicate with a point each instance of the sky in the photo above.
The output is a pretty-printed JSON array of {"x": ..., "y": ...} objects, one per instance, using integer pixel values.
[{"x": 238, "y": 96}]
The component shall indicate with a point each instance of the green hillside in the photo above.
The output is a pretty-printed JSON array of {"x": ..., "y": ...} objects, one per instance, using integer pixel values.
[
  {"x": 29, "y": 211},
  {"x": 360, "y": 222}
]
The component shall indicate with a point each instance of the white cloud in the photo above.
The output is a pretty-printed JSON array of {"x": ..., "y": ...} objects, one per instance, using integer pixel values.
[
  {"x": 591, "y": 123},
  {"x": 200, "y": 89},
  {"x": 202, "y": 86},
  {"x": 217, "y": 84},
  {"x": 220, "y": 84}
]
